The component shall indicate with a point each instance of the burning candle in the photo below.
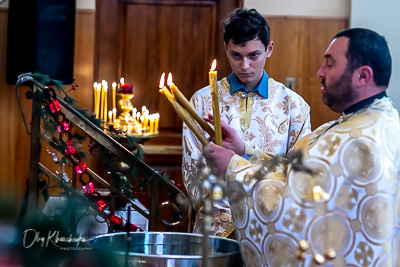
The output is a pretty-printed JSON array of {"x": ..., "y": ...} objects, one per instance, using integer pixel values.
[
  {"x": 126, "y": 87},
  {"x": 114, "y": 89},
  {"x": 186, "y": 104},
  {"x": 102, "y": 100},
  {"x": 110, "y": 116},
  {"x": 142, "y": 123},
  {"x": 105, "y": 101},
  {"x": 96, "y": 100},
  {"x": 214, "y": 95},
  {"x": 98, "y": 95},
  {"x": 181, "y": 112},
  {"x": 95, "y": 97}
]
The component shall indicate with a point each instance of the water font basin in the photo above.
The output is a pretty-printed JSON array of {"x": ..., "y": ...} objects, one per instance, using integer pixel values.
[{"x": 159, "y": 249}]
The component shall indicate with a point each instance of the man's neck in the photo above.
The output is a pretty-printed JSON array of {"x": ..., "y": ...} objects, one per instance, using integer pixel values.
[
  {"x": 363, "y": 103},
  {"x": 248, "y": 87},
  {"x": 253, "y": 84}
]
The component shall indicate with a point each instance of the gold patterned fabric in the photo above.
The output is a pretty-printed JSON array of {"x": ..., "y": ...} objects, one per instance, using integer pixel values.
[
  {"x": 345, "y": 214},
  {"x": 272, "y": 124}
]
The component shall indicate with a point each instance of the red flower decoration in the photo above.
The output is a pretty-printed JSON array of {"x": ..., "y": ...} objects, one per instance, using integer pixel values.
[
  {"x": 69, "y": 149},
  {"x": 134, "y": 228},
  {"x": 81, "y": 167},
  {"x": 55, "y": 106},
  {"x": 101, "y": 205},
  {"x": 89, "y": 190},
  {"x": 115, "y": 219},
  {"x": 65, "y": 125}
]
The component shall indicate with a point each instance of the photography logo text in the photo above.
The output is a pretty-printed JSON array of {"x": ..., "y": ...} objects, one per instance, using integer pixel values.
[{"x": 52, "y": 238}]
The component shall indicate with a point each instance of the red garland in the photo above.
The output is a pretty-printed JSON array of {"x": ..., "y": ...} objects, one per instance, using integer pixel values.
[{"x": 79, "y": 166}]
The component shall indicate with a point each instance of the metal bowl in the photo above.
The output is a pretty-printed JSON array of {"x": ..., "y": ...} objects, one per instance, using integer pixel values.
[{"x": 164, "y": 249}]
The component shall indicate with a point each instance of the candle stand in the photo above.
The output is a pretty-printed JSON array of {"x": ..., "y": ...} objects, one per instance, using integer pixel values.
[{"x": 126, "y": 105}]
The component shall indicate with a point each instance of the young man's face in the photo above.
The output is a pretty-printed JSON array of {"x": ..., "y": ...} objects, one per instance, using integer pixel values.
[
  {"x": 247, "y": 61},
  {"x": 337, "y": 88}
]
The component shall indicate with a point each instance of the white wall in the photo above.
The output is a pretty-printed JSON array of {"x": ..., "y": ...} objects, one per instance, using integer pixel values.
[
  {"x": 310, "y": 8},
  {"x": 384, "y": 19}
]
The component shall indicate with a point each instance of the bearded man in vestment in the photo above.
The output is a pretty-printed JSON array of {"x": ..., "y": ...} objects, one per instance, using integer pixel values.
[{"x": 345, "y": 211}]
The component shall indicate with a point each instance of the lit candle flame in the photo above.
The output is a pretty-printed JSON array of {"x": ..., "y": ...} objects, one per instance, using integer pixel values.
[
  {"x": 95, "y": 85},
  {"x": 114, "y": 85},
  {"x": 162, "y": 80},
  {"x": 122, "y": 81},
  {"x": 214, "y": 65},
  {"x": 169, "y": 79}
]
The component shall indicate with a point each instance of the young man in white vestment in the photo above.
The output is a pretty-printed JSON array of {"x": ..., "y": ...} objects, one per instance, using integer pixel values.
[
  {"x": 346, "y": 212},
  {"x": 261, "y": 110}
]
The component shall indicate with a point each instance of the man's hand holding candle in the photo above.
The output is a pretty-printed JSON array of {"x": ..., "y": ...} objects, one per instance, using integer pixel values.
[{"x": 230, "y": 140}]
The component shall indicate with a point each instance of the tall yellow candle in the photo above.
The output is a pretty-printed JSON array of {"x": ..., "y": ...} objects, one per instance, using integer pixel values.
[
  {"x": 95, "y": 97},
  {"x": 114, "y": 90},
  {"x": 114, "y": 112},
  {"x": 105, "y": 102},
  {"x": 186, "y": 104},
  {"x": 152, "y": 117},
  {"x": 98, "y": 96},
  {"x": 214, "y": 95},
  {"x": 156, "y": 122},
  {"x": 102, "y": 102}
]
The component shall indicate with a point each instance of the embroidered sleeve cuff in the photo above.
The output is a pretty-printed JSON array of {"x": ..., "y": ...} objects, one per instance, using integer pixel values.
[{"x": 235, "y": 163}]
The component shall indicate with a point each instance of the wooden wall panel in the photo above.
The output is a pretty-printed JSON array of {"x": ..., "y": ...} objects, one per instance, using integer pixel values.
[
  {"x": 299, "y": 49},
  {"x": 183, "y": 46},
  {"x": 138, "y": 40},
  {"x": 14, "y": 142}
]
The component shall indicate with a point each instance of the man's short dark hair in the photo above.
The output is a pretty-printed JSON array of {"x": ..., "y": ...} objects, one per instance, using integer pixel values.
[
  {"x": 245, "y": 25},
  {"x": 367, "y": 47}
]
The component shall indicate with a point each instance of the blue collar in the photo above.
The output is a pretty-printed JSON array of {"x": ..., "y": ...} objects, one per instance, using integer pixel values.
[{"x": 236, "y": 85}]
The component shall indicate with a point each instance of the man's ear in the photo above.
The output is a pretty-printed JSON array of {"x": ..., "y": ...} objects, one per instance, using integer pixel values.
[
  {"x": 365, "y": 75},
  {"x": 270, "y": 48}
]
